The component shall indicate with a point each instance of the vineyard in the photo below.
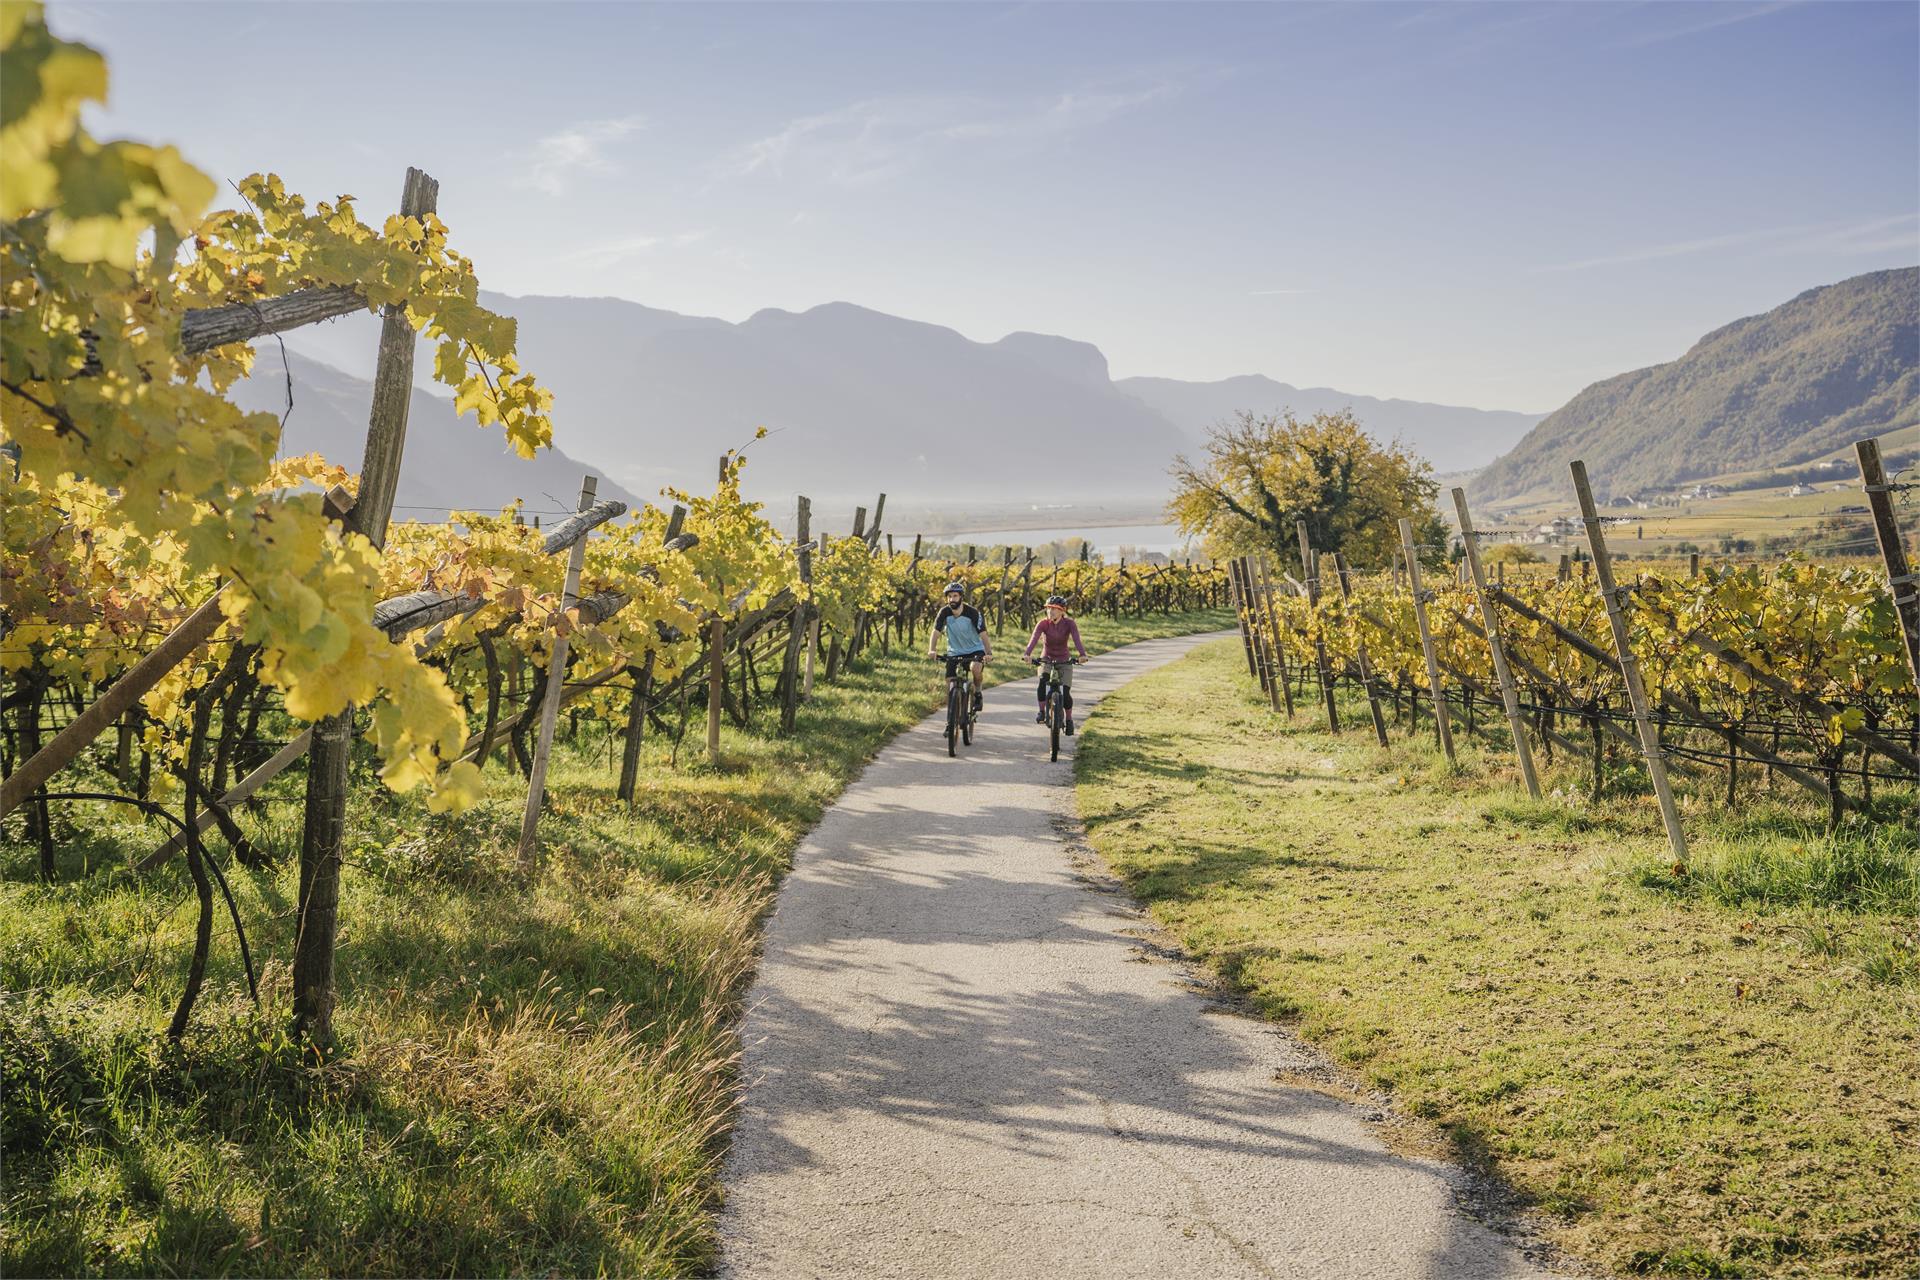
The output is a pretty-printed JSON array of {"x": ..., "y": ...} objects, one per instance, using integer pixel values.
[
  {"x": 195, "y": 617},
  {"x": 1803, "y": 670}
]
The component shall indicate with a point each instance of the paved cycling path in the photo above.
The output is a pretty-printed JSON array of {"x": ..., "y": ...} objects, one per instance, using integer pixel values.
[{"x": 961, "y": 1062}]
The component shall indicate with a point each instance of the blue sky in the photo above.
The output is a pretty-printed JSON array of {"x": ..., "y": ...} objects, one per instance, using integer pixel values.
[{"x": 1490, "y": 205}]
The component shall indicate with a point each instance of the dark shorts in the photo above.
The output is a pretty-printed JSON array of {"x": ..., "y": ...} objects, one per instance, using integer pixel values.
[{"x": 958, "y": 662}]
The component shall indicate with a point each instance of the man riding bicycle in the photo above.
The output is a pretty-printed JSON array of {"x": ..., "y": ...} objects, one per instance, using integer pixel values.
[
  {"x": 966, "y": 633},
  {"x": 1056, "y": 631}
]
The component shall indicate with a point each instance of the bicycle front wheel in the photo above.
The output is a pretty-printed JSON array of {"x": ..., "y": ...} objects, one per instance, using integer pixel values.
[{"x": 954, "y": 714}]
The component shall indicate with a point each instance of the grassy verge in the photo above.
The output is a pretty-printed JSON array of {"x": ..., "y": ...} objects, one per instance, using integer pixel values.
[
  {"x": 534, "y": 1074},
  {"x": 1702, "y": 1074}
]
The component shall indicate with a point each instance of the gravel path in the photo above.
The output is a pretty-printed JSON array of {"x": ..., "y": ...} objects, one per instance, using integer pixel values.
[{"x": 962, "y": 1061}]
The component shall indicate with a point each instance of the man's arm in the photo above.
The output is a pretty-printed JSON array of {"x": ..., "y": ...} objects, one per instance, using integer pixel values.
[
  {"x": 980, "y": 625},
  {"x": 933, "y": 636}
]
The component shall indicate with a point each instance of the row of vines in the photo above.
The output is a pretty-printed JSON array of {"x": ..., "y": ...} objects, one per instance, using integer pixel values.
[{"x": 1797, "y": 669}]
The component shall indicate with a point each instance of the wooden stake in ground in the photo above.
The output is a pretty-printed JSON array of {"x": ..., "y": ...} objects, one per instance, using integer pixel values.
[
  {"x": 1273, "y": 630},
  {"x": 1243, "y": 610},
  {"x": 324, "y": 823},
  {"x": 550, "y": 702},
  {"x": 1360, "y": 657},
  {"x": 1508, "y": 694},
  {"x": 1273, "y": 626},
  {"x": 638, "y": 705},
  {"x": 1411, "y": 554},
  {"x": 1310, "y": 567},
  {"x": 797, "y": 627},
  {"x": 716, "y": 684},
  {"x": 1901, "y": 580},
  {"x": 1650, "y": 747}
]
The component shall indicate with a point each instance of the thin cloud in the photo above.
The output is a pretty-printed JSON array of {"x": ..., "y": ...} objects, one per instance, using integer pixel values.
[
  {"x": 1876, "y": 235},
  {"x": 1274, "y": 293},
  {"x": 556, "y": 160},
  {"x": 1677, "y": 249},
  {"x": 875, "y": 138},
  {"x": 625, "y": 247},
  {"x": 1726, "y": 19},
  {"x": 1879, "y": 235}
]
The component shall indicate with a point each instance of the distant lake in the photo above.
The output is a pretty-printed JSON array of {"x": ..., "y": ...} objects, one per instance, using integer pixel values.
[{"x": 1163, "y": 538}]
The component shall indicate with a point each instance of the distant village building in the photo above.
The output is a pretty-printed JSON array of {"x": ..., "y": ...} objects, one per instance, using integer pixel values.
[
  {"x": 1800, "y": 491},
  {"x": 1703, "y": 491},
  {"x": 1558, "y": 529}
]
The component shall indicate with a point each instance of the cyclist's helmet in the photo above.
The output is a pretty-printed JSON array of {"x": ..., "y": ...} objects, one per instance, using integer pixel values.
[
  {"x": 1057, "y": 599},
  {"x": 953, "y": 587}
]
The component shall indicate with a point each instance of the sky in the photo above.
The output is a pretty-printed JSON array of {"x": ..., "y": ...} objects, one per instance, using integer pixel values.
[{"x": 1480, "y": 204}]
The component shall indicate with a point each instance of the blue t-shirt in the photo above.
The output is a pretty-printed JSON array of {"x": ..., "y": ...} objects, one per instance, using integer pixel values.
[{"x": 963, "y": 629}]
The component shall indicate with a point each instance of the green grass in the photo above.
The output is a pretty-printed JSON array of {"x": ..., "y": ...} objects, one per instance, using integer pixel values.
[
  {"x": 1704, "y": 1073},
  {"x": 534, "y": 1074}
]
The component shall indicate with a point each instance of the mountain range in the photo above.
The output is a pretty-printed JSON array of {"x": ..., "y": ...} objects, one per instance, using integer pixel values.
[
  {"x": 449, "y": 462},
  {"x": 1833, "y": 365},
  {"x": 857, "y": 401}
]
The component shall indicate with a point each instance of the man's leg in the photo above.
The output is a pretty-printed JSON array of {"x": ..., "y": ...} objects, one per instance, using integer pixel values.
[{"x": 979, "y": 674}]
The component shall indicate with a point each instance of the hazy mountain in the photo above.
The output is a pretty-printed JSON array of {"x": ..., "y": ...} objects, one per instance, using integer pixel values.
[
  {"x": 859, "y": 401},
  {"x": 1450, "y": 437},
  {"x": 855, "y": 400},
  {"x": 449, "y": 463},
  {"x": 1834, "y": 365}
]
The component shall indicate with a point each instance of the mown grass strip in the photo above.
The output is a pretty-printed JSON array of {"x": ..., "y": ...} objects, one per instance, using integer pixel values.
[
  {"x": 535, "y": 1074},
  {"x": 1707, "y": 1073}
]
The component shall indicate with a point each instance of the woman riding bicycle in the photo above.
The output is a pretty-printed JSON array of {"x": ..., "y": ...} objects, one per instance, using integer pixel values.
[{"x": 1055, "y": 631}]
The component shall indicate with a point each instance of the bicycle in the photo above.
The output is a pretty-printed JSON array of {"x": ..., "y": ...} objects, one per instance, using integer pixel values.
[
  {"x": 1056, "y": 697},
  {"x": 961, "y": 716}
]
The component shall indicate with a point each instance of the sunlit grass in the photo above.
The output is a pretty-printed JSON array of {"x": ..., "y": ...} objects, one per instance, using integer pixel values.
[{"x": 1703, "y": 1072}]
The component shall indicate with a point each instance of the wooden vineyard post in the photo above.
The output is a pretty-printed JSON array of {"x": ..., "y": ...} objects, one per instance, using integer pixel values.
[
  {"x": 1516, "y": 723},
  {"x": 1243, "y": 610},
  {"x": 1262, "y": 646},
  {"x": 1629, "y": 667},
  {"x": 716, "y": 684},
  {"x": 550, "y": 702},
  {"x": 1026, "y": 593},
  {"x": 1360, "y": 657},
  {"x": 1310, "y": 569},
  {"x": 797, "y": 628},
  {"x": 1000, "y": 597},
  {"x": 1893, "y": 553},
  {"x": 325, "y": 815},
  {"x": 642, "y": 688},
  {"x": 1411, "y": 554},
  {"x": 1273, "y": 629}
]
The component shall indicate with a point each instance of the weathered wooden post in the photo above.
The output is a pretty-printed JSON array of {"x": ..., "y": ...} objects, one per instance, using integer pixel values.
[
  {"x": 797, "y": 627},
  {"x": 550, "y": 702},
  {"x": 1629, "y": 666},
  {"x": 1411, "y": 553},
  {"x": 1360, "y": 656},
  {"x": 1508, "y": 694},
  {"x": 324, "y": 820},
  {"x": 1279, "y": 643},
  {"x": 1242, "y": 611},
  {"x": 1310, "y": 569},
  {"x": 642, "y": 689},
  {"x": 716, "y": 684},
  {"x": 1000, "y": 597},
  {"x": 1901, "y": 580},
  {"x": 1026, "y": 593}
]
